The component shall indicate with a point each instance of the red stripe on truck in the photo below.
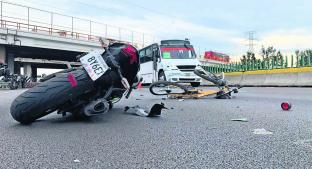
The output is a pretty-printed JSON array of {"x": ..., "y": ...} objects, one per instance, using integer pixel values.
[{"x": 175, "y": 49}]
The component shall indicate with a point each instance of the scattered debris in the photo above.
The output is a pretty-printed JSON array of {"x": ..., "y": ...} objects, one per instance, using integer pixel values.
[
  {"x": 286, "y": 106},
  {"x": 237, "y": 107},
  {"x": 262, "y": 131},
  {"x": 163, "y": 98},
  {"x": 306, "y": 143},
  {"x": 138, "y": 99},
  {"x": 141, "y": 112},
  {"x": 155, "y": 110},
  {"x": 141, "y": 95},
  {"x": 126, "y": 108},
  {"x": 139, "y": 86},
  {"x": 181, "y": 100},
  {"x": 240, "y": 119},
  {"x": 171, "y": 108},
  {"x": 76, "y": 161}
]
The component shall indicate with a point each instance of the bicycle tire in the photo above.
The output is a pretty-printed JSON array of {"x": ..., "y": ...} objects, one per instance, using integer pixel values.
[{"x": 166, "y": 83}]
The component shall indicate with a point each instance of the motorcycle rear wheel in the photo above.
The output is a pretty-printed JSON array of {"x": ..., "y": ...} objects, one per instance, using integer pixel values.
[{"x": 46, "y": 97}]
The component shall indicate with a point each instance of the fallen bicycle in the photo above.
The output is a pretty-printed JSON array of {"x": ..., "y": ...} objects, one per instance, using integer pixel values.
[{"x": 178, "y": 91}]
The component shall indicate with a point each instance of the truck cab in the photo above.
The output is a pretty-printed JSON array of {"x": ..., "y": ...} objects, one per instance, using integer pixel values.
[{"x": 172, "y": 60}]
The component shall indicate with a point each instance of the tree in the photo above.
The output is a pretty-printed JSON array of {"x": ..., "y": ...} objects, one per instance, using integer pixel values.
[
  {"x": 279, "y": 59},
  {"x": 272, "y": 55},
  {"x": 249, "y": 57},
  {"x": 243, "y": 59},
  {"x": 304, "y": 57},
  {"x": 268, "y": 53}
]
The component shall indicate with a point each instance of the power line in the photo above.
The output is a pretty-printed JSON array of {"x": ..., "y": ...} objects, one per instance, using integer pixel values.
[
  {"x": 46, "y": 6},
  {"x": 142, "y": 7},
  {"x": 95, "y": 6},
  {"x": 65, "y": 10},
  {"x": 149, "y": 9},
  {"x": 41, "y": 5}
]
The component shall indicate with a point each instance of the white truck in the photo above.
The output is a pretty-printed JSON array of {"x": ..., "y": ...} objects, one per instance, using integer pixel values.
[{"x": 172, "y": 60}]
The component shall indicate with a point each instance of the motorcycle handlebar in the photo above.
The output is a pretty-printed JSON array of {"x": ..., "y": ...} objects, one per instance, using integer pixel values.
[{"x": 114, "y": 63}]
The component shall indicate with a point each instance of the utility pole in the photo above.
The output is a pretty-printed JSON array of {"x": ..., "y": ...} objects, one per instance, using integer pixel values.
[{"x": 251, "y": 39}]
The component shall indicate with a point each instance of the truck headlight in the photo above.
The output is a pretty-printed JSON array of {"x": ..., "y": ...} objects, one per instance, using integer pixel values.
[{"x": 171, "y": 67}]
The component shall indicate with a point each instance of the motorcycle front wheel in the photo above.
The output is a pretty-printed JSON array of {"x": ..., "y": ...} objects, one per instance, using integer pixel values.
[
  {"x": 46, "y": 97},
  {"x": 13, "y": 85}
]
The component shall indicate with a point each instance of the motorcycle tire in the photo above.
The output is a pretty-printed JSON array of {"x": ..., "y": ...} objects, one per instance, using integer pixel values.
[
  {"x": 13, "y": 85},
  {"x": 46, "y": 97}
]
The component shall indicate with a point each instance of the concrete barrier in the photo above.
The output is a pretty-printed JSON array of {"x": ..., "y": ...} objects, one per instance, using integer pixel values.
[
  {"x": 234, "y": 77},
  {"x": 283, "y": 79},
  {"x": 304, "y": 79},
  {"x": 275, "y": 77},
  {"x": 253, "y": 80}
]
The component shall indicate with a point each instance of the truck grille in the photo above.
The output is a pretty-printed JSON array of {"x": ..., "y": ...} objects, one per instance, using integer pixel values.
[
  {"x": 187, "y": 68},
  {"x": 186, "y": 79}
]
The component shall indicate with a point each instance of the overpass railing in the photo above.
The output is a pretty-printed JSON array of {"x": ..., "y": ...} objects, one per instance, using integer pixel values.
[{"x": 20, "y": 17}]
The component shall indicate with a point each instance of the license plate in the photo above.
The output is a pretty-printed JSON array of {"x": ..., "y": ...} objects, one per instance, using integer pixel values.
[
  {"x": 94, "y": 64},
  {"x": 187, "y": 74}
]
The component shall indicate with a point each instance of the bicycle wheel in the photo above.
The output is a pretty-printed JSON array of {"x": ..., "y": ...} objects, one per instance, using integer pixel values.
[{"x": 165, "y": 88}]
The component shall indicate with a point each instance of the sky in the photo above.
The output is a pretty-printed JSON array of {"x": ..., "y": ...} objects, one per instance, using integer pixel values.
[{"x": 211, "y": 25}]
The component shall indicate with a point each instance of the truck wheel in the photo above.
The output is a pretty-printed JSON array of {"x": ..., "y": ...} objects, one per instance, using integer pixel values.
[
  {"x": 161, "y": 76},
  {"x": 195, "y": 84}
]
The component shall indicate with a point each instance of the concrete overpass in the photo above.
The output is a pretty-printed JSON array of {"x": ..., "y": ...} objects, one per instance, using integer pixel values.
[
  {"x": 28, "y": 42},
  {"x": 19, "y": 48}
]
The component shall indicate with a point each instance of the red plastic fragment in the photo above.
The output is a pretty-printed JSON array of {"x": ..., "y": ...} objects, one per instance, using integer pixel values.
[
  {"x": 139, "y": 86},
  {"x": 286, "y": 106}
]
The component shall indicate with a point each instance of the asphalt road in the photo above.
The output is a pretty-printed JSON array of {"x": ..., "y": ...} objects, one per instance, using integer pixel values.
[{"x": 194, "y": 134}]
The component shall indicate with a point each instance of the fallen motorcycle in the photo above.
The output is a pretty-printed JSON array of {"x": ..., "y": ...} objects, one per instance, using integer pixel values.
[
  {"x": 176, "y": 90},
  {"x": 93, "y": 89},
  {"x": 14, "y": 81}
]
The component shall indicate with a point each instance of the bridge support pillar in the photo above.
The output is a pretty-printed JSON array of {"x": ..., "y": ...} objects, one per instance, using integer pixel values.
[
  {"x": 27, "y": 69},
  {"x": 10, "y": 61},
  {"x": 2, "y": 54},
  {"x": 17, "y": 68},
  {"x": 30, "y": 71},
  {"x": 34, "y": 72}
]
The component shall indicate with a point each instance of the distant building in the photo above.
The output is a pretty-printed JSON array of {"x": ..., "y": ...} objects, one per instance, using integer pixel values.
[{"x": 214, "y": 58}]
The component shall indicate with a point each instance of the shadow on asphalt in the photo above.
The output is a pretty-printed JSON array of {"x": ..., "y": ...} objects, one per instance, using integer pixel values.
[
  {"x": 70, "y": 119},
  {"x": 113, "y": 116}
]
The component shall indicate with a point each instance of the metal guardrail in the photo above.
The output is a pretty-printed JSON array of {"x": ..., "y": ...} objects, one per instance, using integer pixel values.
[
  {"x": 4, "y": 85},
  {"x": 26, "y": 18},
  {"x": 295, "y": 62},
  {"x": 50, "y": 31}
]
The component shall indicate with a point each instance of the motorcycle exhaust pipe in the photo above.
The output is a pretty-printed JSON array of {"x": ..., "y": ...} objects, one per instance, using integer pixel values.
[{"x": 96, "y": 108}]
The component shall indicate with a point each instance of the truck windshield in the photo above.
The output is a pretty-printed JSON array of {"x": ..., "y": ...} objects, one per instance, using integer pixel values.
[{"x": 177, "y": 53}]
